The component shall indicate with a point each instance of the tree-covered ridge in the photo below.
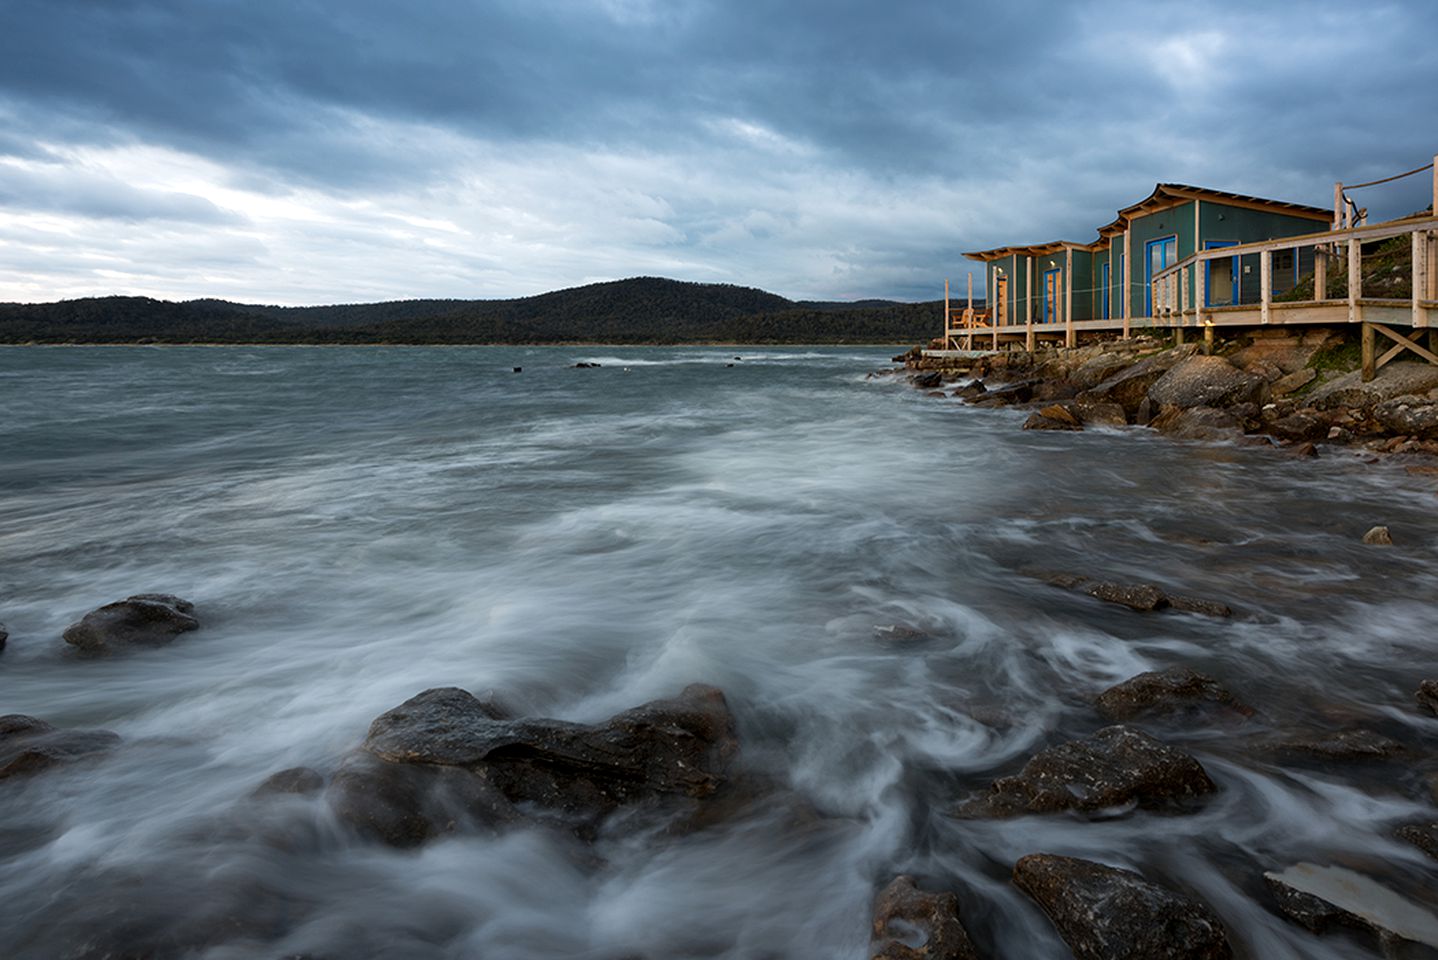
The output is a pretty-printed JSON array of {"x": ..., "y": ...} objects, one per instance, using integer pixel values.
[{"x": 640, "y": 310}]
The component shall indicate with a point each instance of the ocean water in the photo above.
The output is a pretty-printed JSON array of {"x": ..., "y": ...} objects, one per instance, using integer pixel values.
[{"x": 356, "y": 525}]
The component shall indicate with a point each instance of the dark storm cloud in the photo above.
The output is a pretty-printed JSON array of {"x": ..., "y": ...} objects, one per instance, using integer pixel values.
[{"x": 1031, "y": 121}]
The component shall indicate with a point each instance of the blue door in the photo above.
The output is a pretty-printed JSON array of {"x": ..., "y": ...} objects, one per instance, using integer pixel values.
[
  {"x": 1159, "y": 254},
  {"x": 1220, "y": 279},
  {"x": 1051, "y": 296}
]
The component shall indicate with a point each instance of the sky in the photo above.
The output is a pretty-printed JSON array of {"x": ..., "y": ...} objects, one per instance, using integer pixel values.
[{"x": 335, "y": 151}]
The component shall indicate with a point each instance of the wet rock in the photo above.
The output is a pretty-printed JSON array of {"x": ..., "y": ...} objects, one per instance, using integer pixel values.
[
  {"x": 4, "y": 636},
  {"x": 1348, "y": 745},
  {"x": 29, "y": 745},
  {"x": 1135, "y": 596},
  {"x": 1177, "y": 690},
  {"x": 910, "y": 924},
  {"x": 1037, "y": 421},
  {"x": 1427, "y": 696},
  {"x": 901, "y": 636},
  {"x": 144, "y": 620},
  {"x": 675, "y": 749},
  {"x": 1207, "y": 608},
  {"x": 1092, "y": 372},
  {"x": 405, "y": 804},
  {"x": 970, "y": 391},
  {"x": 1292, "y": 382},
  {"x": 1104, "y": 913},
  {"x": 1100, "y": 414},
  {"x": 1196, "y": 423},
  {"x": 1116, "y": 767},
  {"x": 299, "y": 781},
  {"x": 1129, "y": 386},
  {"x": 927, "y": 381},
  {"x": 1062, "y": 413},
  {"x": 582, "y": 365},
  {"x": 1300, "y": 426},
  {"x": 1321, "y": 898},
  {"x": 1303, "y": 451},
  {"x": 1424, "y": 836},
  {"x": 1206, "y": 382},
  {"x": 1378, "y": 537},
  {"x": 1048, "y": 390},
  {"x": 1008, "y": 395}
]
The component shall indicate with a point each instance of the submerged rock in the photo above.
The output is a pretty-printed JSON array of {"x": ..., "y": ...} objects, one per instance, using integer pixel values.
[
  {"x": 1143, "y": 597},
  {"x": 928, "y": 380},
  {"x": 482, "y": 762},
  {"x": 29, "y": 745},
  {"x": 1116, "y": 767},
  {"x": 1427, "y": 696},
  {"x": 910, "y": 924},
  {"x": 4, "y": 636},
  {"x": 1424, "y": 836},
  {"x": 1378, "y": 537},
  {"x": 145, "y": 620},
  {"x": 1320, "y": 898},
  {"x": 1346, "y": 745},
  {"x": 295, "y": 780},
  {"x": 1104, "y": 913},
  {"x": 1177, "y": 690},
  {"x": 1039, "y": 421},
  {"x": 1135, "y": 596},
  {"x": 1197, "y": 423}
]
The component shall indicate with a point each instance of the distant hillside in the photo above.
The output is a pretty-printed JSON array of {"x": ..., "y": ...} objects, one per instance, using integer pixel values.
[{"x": 641, "y": 310}]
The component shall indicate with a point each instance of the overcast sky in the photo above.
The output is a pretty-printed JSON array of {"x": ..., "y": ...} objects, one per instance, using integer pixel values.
[{"x": 321, "y": 151}]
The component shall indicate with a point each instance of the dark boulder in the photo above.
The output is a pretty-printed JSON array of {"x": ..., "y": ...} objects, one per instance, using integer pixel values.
[
  {"x": 1175, "y": 691},
  {"x": 1143, "y": 597},
  {"x": 1301, "y": 426},
  {"x": 1409, "y": 416},
  {"x": 1206, "y": 382},
  {"x": 927, "y": 381},
  {"x": 970, "y": 391},
  {"x": 1038, "y": 421},
  {"x": 1096, "y": 370},
  {"x": 1049, "y": 390},
  {"x": 1116, "y": 767},
  {"x": 1207, "y": 608},
  {"x": 145, "y": 620},
  {"x": 1104, "y": 913},
  {"x": 910, "y": 924},
  {"x": 1095, "y": 413},
  {"x": 1008, "y": 395},
  {"x": 481, "y": 762},
  {"x": 4, "y": 636},
  {"x": 1196, "y": 423},
  {"x": 1424, "y": 836},
  {"x": 1427, "y": 696},
  {"x": 29, "y": 745}
]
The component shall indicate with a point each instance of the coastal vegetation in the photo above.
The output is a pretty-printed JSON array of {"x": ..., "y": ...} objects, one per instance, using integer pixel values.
[{"x": 634, "y": 311}]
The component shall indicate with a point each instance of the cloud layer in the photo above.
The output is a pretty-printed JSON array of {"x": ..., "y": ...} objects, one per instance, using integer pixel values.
[{"x": 342, "y": 150}]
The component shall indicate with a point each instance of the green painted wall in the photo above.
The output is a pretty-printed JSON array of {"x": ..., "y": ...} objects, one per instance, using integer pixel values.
[
  {"x": 1083, "y": 284},
  {"x": 1095, "y": 298},
  {"x": 1173, "y": 221},
  {"x": 1013, "y": 267},
  {"x": 1220, "y": 221}
]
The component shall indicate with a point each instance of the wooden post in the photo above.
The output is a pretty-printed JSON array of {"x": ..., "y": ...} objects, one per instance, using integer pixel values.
[
  {"x": 1182, "y": 293},
  {"x": 1370, "y": 369},
  {"x": 1320, "y": 271},
  {"x": 1338, "y": 206},
  {"x": 948, "y": 315},
  {"x": 1420, "y": 277},
  {"x": 1178, "y": 334},
  {"x": 1265, "y": 283},
  {"x": 1200, "y": 288},
  {"x": 1208, "y": 339},
  {"x": 1433, "y": 210},
  {"x": 1029, "y": 304},
  {"x": 971, "y": 289},
  {"x": 1355, "y": 279},
  {"x": 1127, "y": 274},
  {"x": 1069, "y": 335}
]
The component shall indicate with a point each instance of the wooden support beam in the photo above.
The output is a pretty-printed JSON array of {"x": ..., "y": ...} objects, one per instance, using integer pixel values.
[
  {"x": 1370, "y": 367},
  {"x": 1200, "y": 289},
  {"x": 1265, "y": 284},
  {"x": 1208, "y": 339},
  {"x": 1338, "y": 206},
  {"x": 1182, "y": 292},
  {"x": 1320, "y": 272},
  {"x": 1127, "y": 279},
  {"x": 1420, "y": 278},
  {"x": 1069, "y": 335},
  {"x": 1178, "y": 334},
  {"x": 1355, "y": 280},
  {"x": 1403, "y": 343}
]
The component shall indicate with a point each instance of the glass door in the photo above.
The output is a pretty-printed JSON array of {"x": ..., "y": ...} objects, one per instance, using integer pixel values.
[
  {"x": 1220, "y": 277},
  {"x": 1161, "y": 253}
]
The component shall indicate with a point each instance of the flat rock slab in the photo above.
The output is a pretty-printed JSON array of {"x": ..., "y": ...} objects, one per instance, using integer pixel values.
[
  {"x": 1104, "y": 913},
  {"x": 1320, "y": 898},
  {"x": 910, "y": 924},
  {"x": 1397, "y": 379},
  {"x": 1142, "y": 597},
  {"x": 29, "y": 745},
  {"x": 1118, "y": 767},
  {"x": 1175, "y": 691},
  {"x": 1347, "y": 745},
  {"x": 144, "y": 620}
]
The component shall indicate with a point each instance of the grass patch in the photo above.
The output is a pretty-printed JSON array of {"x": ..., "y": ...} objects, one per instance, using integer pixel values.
[{"x": 1339, "y": 357}]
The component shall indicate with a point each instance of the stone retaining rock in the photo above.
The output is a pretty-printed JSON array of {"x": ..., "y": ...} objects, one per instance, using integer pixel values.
[
  {"x": 1177, "y": 690},
  {"x": 1201, "y": 381},
  {"x": 1104, "y": 913},
  {"x": 1116, "y": 767},
  {"x": 904, "y": 914},
  {"x": 29, "y": 745},
  {"x": 144, "y": 620}
]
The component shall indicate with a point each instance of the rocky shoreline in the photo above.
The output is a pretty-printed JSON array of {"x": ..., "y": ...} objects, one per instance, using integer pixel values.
[
  {"x": 1298, "y": 390},
  {"x": 446, "y": 762}
]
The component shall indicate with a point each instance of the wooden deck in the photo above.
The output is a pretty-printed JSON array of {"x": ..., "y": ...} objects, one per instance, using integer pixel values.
[{"x": 1181, "y": 302}]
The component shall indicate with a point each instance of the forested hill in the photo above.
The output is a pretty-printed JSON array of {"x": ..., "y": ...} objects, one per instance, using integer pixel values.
[{"x": 641, "y": 310}]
